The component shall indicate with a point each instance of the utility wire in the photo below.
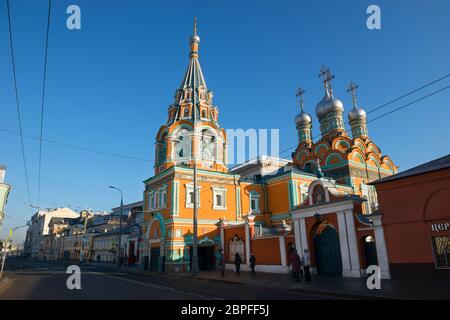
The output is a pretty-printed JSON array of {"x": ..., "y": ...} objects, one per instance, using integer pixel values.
[
  {"x": 389, "y": 112},
  {"x": 72, "y": 146},
  {"x": 43, "y": 102},
  {"x": 17, "y": 102}
]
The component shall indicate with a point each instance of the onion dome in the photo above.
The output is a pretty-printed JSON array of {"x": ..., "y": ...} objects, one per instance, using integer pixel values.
[
  {"x": 356, "y": 113},
  {"x": 302, "y": 118},
  {"x": 327, "y": 104}
]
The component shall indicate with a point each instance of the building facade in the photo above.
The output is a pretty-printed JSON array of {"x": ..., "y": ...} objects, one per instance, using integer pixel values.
[
  {"x": 36, "y": 240},
  {"x": 320, "y": 200},
  {"x": 415, "y": 208}
]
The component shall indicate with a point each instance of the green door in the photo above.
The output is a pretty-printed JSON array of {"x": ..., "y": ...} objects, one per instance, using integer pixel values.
[
  {"x": 154, "y": 259},
  {"x": 328, "y": 253}
]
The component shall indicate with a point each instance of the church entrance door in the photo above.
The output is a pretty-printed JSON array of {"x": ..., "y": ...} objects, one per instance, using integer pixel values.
[{"x": 328, "y": 252}]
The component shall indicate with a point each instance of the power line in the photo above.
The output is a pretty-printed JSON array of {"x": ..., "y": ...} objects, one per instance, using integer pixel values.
[
  {"x": 72, "y": 146},
  {"x": 43, "y": 101},
  {"x": 17, "y": 102},
  {"x": 409, "y": 93}
]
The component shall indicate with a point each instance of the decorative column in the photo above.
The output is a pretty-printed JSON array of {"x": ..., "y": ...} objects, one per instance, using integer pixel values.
[
  {"x": 249, "y": 224},
  {"x": 303, "y": 235},
  {"x": 343, "y": 241},
  {"x": 380, "y": 243},
  {"x": 355, "y": 264},
  {"x": 297, "y": 234},
  {"x": 282, "y": 243}
]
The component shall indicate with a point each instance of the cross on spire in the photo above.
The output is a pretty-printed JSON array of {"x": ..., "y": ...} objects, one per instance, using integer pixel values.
[
  {"x": 352, "y": 88},
  {"x": 195, "y": 26},
  {"x": 300, "y": 92},
  {"x": 327, "y": 77},
  {"x": 323, "y": 73}
]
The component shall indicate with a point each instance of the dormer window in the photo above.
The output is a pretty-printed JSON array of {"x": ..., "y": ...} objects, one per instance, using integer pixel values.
[{"x": 186, "y": 112}]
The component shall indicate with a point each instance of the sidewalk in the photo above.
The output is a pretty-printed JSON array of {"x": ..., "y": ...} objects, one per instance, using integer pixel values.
[
  {"x": 338, "y": 287},
  {"x": 331, "y": 286}
]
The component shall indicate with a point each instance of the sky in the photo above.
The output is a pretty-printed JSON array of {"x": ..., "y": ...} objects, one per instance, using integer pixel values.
[{"x": 110, "y": 83}]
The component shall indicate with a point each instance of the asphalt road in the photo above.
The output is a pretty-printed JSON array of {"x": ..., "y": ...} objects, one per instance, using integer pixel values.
[{"x": 37, "y": 281}]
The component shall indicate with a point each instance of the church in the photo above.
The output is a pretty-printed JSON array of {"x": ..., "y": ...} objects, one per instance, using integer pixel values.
[{"x": 319, "y": 200}]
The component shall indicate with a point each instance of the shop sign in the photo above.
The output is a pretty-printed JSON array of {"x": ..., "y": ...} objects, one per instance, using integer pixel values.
[{"x": 439, "y": 227}]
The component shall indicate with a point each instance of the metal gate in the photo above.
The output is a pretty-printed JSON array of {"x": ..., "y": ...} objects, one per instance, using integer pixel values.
[{"x": 328, "y": 253}]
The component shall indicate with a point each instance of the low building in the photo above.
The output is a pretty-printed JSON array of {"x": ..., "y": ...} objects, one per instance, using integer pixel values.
[
  {"x": 4, "y": 191},
  {"x": 415, "y": 205},
  {"x": 105, "y": 244},
  {"x": 36, "y": 242}
]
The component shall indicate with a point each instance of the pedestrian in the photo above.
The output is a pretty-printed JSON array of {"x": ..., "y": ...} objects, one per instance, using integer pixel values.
[
  {"x": 307, "y": 265},
  {"x": 98, "y": 258},
  {"x": 222, "y": 264},
  {"x": 237, "y": 263},
  {"x": 296, "y": 264},
  {"x": 252, "y": 265}
]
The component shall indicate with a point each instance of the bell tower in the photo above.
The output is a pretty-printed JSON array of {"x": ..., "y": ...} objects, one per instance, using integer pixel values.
[{"x": 177, "y": 143}]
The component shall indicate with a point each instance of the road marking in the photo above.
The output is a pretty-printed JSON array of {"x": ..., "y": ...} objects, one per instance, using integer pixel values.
[{"x": 155, "y": 286}]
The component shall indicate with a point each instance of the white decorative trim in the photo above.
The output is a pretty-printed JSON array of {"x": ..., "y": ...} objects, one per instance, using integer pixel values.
[
  {"x": 325, "y": 208},
  {"x": 346, "y": 266},
  {"x": 303, "y": 235},
  {"x": 380, "y": 244},
  {"x": 352, "y": 242},
  {"x": 219, "y": 191},
  {"x": 189, "y": 187}
]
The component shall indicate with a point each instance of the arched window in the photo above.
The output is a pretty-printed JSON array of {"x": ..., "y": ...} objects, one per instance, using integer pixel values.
[
  {"x": 182, "y": 145},
  {"x": 318, "y": 195},
  {"x": 208, "y": 145},
  {"x": 204, "y": 113},
  {"x": 186, "y": 112}
]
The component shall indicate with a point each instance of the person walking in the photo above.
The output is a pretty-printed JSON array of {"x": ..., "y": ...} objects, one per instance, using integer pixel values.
[
  {"x": 252, "y": 265},
  {"x": 296, "y": 264},
  {"x": 237, "y": 263},
  {"x": 307, "y": 265},
  {"x": 221, "y": 264}
]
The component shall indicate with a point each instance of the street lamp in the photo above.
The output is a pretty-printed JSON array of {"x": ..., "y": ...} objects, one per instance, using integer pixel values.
[
  {"x": 4, "y": 249},
  {"x": 84, "y": 238},
  {"x": 120, "y": 224}
]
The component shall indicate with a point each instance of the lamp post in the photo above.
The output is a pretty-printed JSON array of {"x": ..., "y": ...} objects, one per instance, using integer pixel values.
[
  {"x": 4, "y": 249},
  {"x": 86, "y": 218},
  {"x": 120, "y": 225}
]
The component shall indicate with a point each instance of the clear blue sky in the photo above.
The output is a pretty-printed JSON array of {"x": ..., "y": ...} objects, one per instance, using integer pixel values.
[{"x": 109, "y": 84}]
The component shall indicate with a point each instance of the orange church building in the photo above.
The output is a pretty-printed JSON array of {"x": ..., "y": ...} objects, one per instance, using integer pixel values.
[{"x": 319, "y": 200}]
